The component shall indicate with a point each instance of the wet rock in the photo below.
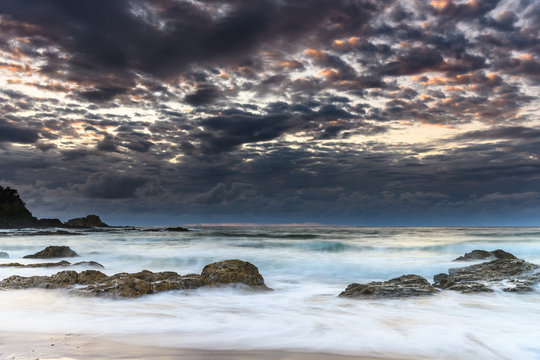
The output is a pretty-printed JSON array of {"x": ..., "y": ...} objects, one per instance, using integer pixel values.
[
  {"x": 233, "y": 271},
  {"x": 86, "y": 222},
  {"x": 89, "y": 263},
  {"x": 49, "y": 223},
  {"x": 483, "y": 254},
  {"x": 55, "y": 264},
  {"x": 403, "y": 286},
  {"x": 144, "y": 282},
  {"x": 484, "y": 276},
  {"x": 53, "y": 252},
  {"x": 88, "y": 277},
  {"x": 121, "y": 285},
  {"x": 4, "y": 255},
  {"x": 469, "y": 287},
  {"x": 177, "y": 229}
]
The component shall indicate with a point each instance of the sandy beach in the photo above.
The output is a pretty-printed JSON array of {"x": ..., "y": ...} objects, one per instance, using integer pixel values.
[{"x": 19, "y": 346}]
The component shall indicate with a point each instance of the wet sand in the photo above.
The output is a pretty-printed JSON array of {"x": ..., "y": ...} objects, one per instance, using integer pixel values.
[{"x": 19, "y": 346}]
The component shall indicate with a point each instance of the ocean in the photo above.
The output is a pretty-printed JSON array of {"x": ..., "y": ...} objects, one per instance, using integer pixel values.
[{"x": 307, "y": 267}]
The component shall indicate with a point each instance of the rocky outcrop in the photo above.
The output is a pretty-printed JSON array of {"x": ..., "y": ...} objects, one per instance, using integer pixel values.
[
  {"x": 144, "y": 282},
  {"x": 483, "y": 254},
  {"x": 53, "y": 252},
  {"x": 483, "y": 277},
  {"x": 14, "y": 214},
  {"x": 403, "y": 286},
  {"x": 4, "y": 255},
  {"x": 89, "y": 221},
  {"x": 62, "y": 263}
]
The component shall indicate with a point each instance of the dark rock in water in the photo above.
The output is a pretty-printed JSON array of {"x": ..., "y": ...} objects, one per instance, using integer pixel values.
[
  {"x": 53, "y": 252},
  {"x": 57, "y": 232},
  {"x": 177, "y": 229},
  {"x": 483, "y": 254},
  {"x": 86, "y": 222},
  {"x": 403, "y": 286},
  {"x": 233, "y": 271},
  {"x": 49, "y": 223},
  {"x": 4, "y": 255},
  {"x": 479, "y": 277},
  {"x": 141, "y": 283},
  {"x": 89, "y": 263},
  {"x": 60, "y": 263}
]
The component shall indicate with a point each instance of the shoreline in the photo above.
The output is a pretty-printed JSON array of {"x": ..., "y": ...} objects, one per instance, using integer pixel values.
[{"x": 22, "y": 346}]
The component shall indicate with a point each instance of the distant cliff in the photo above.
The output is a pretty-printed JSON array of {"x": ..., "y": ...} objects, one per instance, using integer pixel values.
[{"x": 14, "y": 214}]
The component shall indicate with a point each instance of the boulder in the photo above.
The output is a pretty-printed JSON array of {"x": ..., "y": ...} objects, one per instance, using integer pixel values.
[
  {"x": 53, "y": 252},
  {"x": 86, "y": 222},
  {"x": 233, "y": 271},
  {"x": 403, "y": 286},
  {"x": 4, "y": 255},
  {"x": 88, "y": 277},
  {"x": 483, "y": 254}
]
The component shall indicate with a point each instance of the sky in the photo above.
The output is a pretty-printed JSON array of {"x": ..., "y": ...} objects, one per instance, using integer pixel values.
[{"x": 345, "y": 112}]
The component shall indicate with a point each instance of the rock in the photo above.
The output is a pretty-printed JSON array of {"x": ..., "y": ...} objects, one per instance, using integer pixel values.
[
  {"x": 57, "y": 232},
  {"x": 53, "y": 252},
  {"x": 86, "y": 222},
  {"x": 88, "y": 277},
  {"x": 49, "y": 223},
  {"x": 483, "y": 254},
  {"x": 469, "y": 287},
  {"x": 61, "y": 263},
  {"x": 4, "y": 255},
  {"x": 482, "y": 277},
  {"x": 14, "y": 214},
  {"x": 403, "y": 286},
  {"x": 177, "y": 229},
  {"x": 144, "y": 282},
  {"x": 89, "y": 263},
  {"x": 233, "y": 271}
]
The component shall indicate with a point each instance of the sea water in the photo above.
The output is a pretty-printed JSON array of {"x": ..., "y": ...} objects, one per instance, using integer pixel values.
[{"x": 307, "y": 267}]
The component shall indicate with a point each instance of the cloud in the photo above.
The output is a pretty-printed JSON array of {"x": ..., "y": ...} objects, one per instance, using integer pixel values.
[
  {"x": 110, "y": 185},
  {"x": 15, "y": 134}
]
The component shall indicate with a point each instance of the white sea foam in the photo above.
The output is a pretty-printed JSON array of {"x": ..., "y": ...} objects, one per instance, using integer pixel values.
[{"x": 308, "y": 268}]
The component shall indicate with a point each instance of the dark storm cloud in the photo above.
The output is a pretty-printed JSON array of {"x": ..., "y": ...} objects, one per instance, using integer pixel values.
[
  {"x": 12, "y": 133},
  {"x": 110, "y": 185},
  {"x": 202, "y": 96},
  {"x": 111, "y": 41}
]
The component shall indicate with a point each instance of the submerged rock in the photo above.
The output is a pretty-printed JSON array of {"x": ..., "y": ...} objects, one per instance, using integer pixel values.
[
  {"x": 4, "y": 255},
  {"x": 86, "y": 222},
  {"x": 403, "y": 286},
  {"x": 53, "y": 252},
  {"x": 57, "y": 232},
  {"x": 55, "y": 264},
  {"x": 483, "y": 254},
  {"x": 60, "y": 263},
  {"x": 484, "y": 276},
  {"x": 176, "y": 229},
  {"x": 144, "y": 282}
]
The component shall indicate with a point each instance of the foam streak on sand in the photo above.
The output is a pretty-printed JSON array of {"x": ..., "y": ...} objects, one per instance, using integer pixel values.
[{"x": 307, "y": 268}]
